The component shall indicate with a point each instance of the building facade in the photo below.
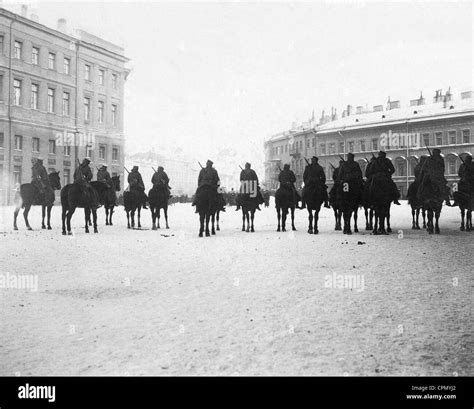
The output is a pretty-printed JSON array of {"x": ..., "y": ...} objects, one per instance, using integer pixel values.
[
  {"x": 446, "y": 122},
  {"x": 61, "y": 98}
]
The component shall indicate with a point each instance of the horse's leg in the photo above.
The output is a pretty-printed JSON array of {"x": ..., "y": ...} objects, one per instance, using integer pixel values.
[
  {"x": 201, "y": 223},
  {"x": 469, "y": 220},
  {"x": 316, "y": 219},
  {"x": 437, "y": 214},
  {"x": 128, "y": 218},
  {"x": 356, "y": 230},
  {"x": 158, "y": 211},
  {"x": 310, "y": 220},
  {"x": 243, "y": 220},
  {"x": 25, "y": 216},
  {"x": 15, "y": 215},
  {"x": 49, "y": 216},
  {"x": 94, "y": 219},
  {"x": 139, "y": 209},
  {"x": 213, "y": 220},
  {"x": 217, "y": 220},
  {"x": 423, "y": 213},
  {"x": 389, "y": 229},
  {"x": 106, "y": 215},
  {"x": 430, "y": 221},
  {"x": 68, "y": 219},
  {"x": 87, "y": 215},
  {"x": 153, "y": 217},
  {"x": 279, "y": 217},
  {"x": 132, "y": 218},
  {"x": 376, "y": 222},
  {"x": 293, "y": 219},
  {"x": 335, "y": 218},
  {"x": 208, "y": 217},
  {"x": 283, "y": 219},
  {"x": 366, "y": 214},
  {"x": 110, "y": 214},
  {"x": 247, "y": 218},
  {"x": 252, "y": 216},
  {"x": 462, "y": 219},
  {"x": 43, "y": 214},
  {"x": 165, "y": 211},
  {"x": 413, "y": 220}
]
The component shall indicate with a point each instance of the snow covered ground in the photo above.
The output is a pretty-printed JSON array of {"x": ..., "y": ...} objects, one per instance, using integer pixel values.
[{"x": 167, "y": 302}]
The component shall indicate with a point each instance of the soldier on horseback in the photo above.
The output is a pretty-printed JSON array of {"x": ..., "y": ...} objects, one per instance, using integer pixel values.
[
  {"x": 209, "y": 177},
  {"x": 83, "y": 175},
  {"x": 288, "y": 179},
  {"x": 466, "y": 173},
  {"x": 136, "y": 185},
  {"x": 161, "y": 178},
  {"x": 39, "y": 176},
  {"x": 314, "y": 174},
  {"x": 104, "y": 176},
  {"x": 433, "y": 170},
  {"x": 384, "y": 166},
  {"x": 350, "y": 171},
  {"x": 249, "y": 175}
]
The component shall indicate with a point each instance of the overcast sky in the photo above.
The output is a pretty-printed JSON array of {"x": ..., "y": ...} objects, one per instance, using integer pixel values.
[{"x": 212, "y": 74}]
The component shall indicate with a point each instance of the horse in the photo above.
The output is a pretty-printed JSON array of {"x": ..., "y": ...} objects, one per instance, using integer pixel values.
[
  {"x": 380, "y": 198},
  {"x": 432, "y": 200},
  {"x": 221, "y": 204},
  {"x": 132, "y": 202},
  {"x": 337, "y": 211},
  {"x": 158, "y": 197},
  {"x": 108, "y": 198},
  {"x": 416, "y": 206},
  {"x": 368, "y": 211},
  {"x": 207, "y": 201},
  {"x": 249, "y": 205},
  {"x": 29, "y": 195},
  {"x": 284, "y": 202},
  {"x": 313, "y": 196},
  {"x": 465, "y": 200},
  {"x": 348, "y": 200},
  {"x": 74, "y": 196}
]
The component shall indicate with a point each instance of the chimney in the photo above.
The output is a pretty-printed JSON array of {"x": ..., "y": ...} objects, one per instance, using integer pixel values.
[
  {"x": 24, "y": 10},
  {"x": 34, "y": 17},
  {"x": 359, "y": 109},
  {"x": 62, "y": 25},
  {"x": 349, "y": 110}
]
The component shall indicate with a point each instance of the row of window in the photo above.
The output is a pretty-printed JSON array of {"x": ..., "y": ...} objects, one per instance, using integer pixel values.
[
  {"x": 36, "y": 144},
  {"x": 18, "y": 53},
  {"x": 66, "y": 102},
  {"x": 427, "y": 139}
]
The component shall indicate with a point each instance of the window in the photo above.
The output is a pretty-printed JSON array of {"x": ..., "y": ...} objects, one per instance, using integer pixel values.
[
  {"x": 34, "y": 96},
  {"x": 401, "y": 168},
  {"x": 87, "y": 109},
  {"x": 322, "y": 149},
  {"x": 114, "y": 115},
  {"x": 17, "y": 92},
  {"x": 375, "y": 144},
  {"x": 114, "y": 81},
  {"x": 66, "y": 99},
  {"x": 452, "y": 166},
  {"x": 452, "y": 137},
  {"x": 35, "y": 142},
  {"x": 301, "y": 146},
  {"x": 426, "y": 139},
  {"x": 52, "y": 147},
  {"x": 102, "y": 152},
  {"x": 313, "y": 141},
  {"x": 18, "y": 142},
  {"x": 115, "y": 154},
  {"x": 351, "y": 146},
  {"x": 51, "y": 100},
  {"x": 362, "y": 146},
  {"x": 89, "y": 151},
  {"x": 2, "y": 140},
  {"x": 52, "y": 61},
  {"x": 67, "y": 150},
  {"x": 307, "y": 143},
  {"x": 67, "y": 66},
  {"x": 87, "y": 72},
  {"x": 286, "y": 146},
  {"x": 466, "y": 135},
  {"x": 101, "y": 76},
  {"x": 438, "y": 138},
  {"x": 2, "y": 42},
  {"x": 18, "y": 50},
  {"x": 35, "y": 55},
  {"x": 332, "y": 148},
  {"x": 17, "y": 174},
  {"x": 66, "y": 176},
  {"x": 101, "y": 112},
  {"x": 341, "y": 147},
  {"x": 1, "y": 87}
]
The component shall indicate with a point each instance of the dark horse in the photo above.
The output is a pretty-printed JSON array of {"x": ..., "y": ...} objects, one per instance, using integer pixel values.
[
  {"x": 465, "y": 200},
  {"x": 132, "y": 202},
  {"x": 221, "y": 204},
  {"x": 108, "y": 197},
  {"x": 368, "y": 211},
  {"x": 333, "y": 203},
  {"x": 158, "y": 197},
  {"x": 207, "y": 202},
  {"x": 313, "y": 196},
  {"x": 74, "y": 196},
  {"x": 284, "y": 201},
  {"x": 380, "y": 198},
  {"x": 416, "y": 206},
  {"x": 249, "y": 205},
  {"x": 431, "y": 198},
  {"x": 348, "y": 201},
  {"x": 29, "y": 195}
]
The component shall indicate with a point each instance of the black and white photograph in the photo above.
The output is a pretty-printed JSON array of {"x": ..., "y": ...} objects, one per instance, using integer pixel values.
[{"x": 237, "y": 190}]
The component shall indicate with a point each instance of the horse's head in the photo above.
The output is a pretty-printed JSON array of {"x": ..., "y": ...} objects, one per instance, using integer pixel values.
[
  {"x": 55, "y": 180},
  {"x": 116, "y": 182}
]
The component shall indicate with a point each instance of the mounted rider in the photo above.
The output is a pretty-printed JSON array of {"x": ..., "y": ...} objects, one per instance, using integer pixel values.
[
  {"x": 39, "y": 176},
  {"x": 418, "y": 167},
  {"x": 383, "y": 166},
  {"x": 136, "y": 185},
  {"x": 287, "y": 178},
  {"x": 161, "y": 178},
  {"x": 209, "y": 177},
  {"x": 313, "y": 175},
  {"x": 433, "y": 171},
  {"x": 83, "y": 175},
  {"x": 335, "y": 178},
  {"x": 104, "y": 176},
  {"x": 466, "y": 173},
  {"x": 248, "y": 175},
  {"x": 350, "y": 171}
]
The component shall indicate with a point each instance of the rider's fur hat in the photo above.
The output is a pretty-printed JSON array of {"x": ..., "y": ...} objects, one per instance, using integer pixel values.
[
  {"x": 315, "y": 158},
  {"x": 286, "y": 166},
  {"x": 209, "y": 162},
  {"x": 382, "y": 153},
  {"x": 161, "y": 168},
  {"x": 436, "y": 150},
  {"x": 248, "y": 164},
  {"x": 135, "y": 167}
]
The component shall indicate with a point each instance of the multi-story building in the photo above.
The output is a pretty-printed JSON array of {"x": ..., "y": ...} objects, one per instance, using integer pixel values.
[
  {"x": 446, "y": 122},
  {"x": 61, "y": 98}
]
